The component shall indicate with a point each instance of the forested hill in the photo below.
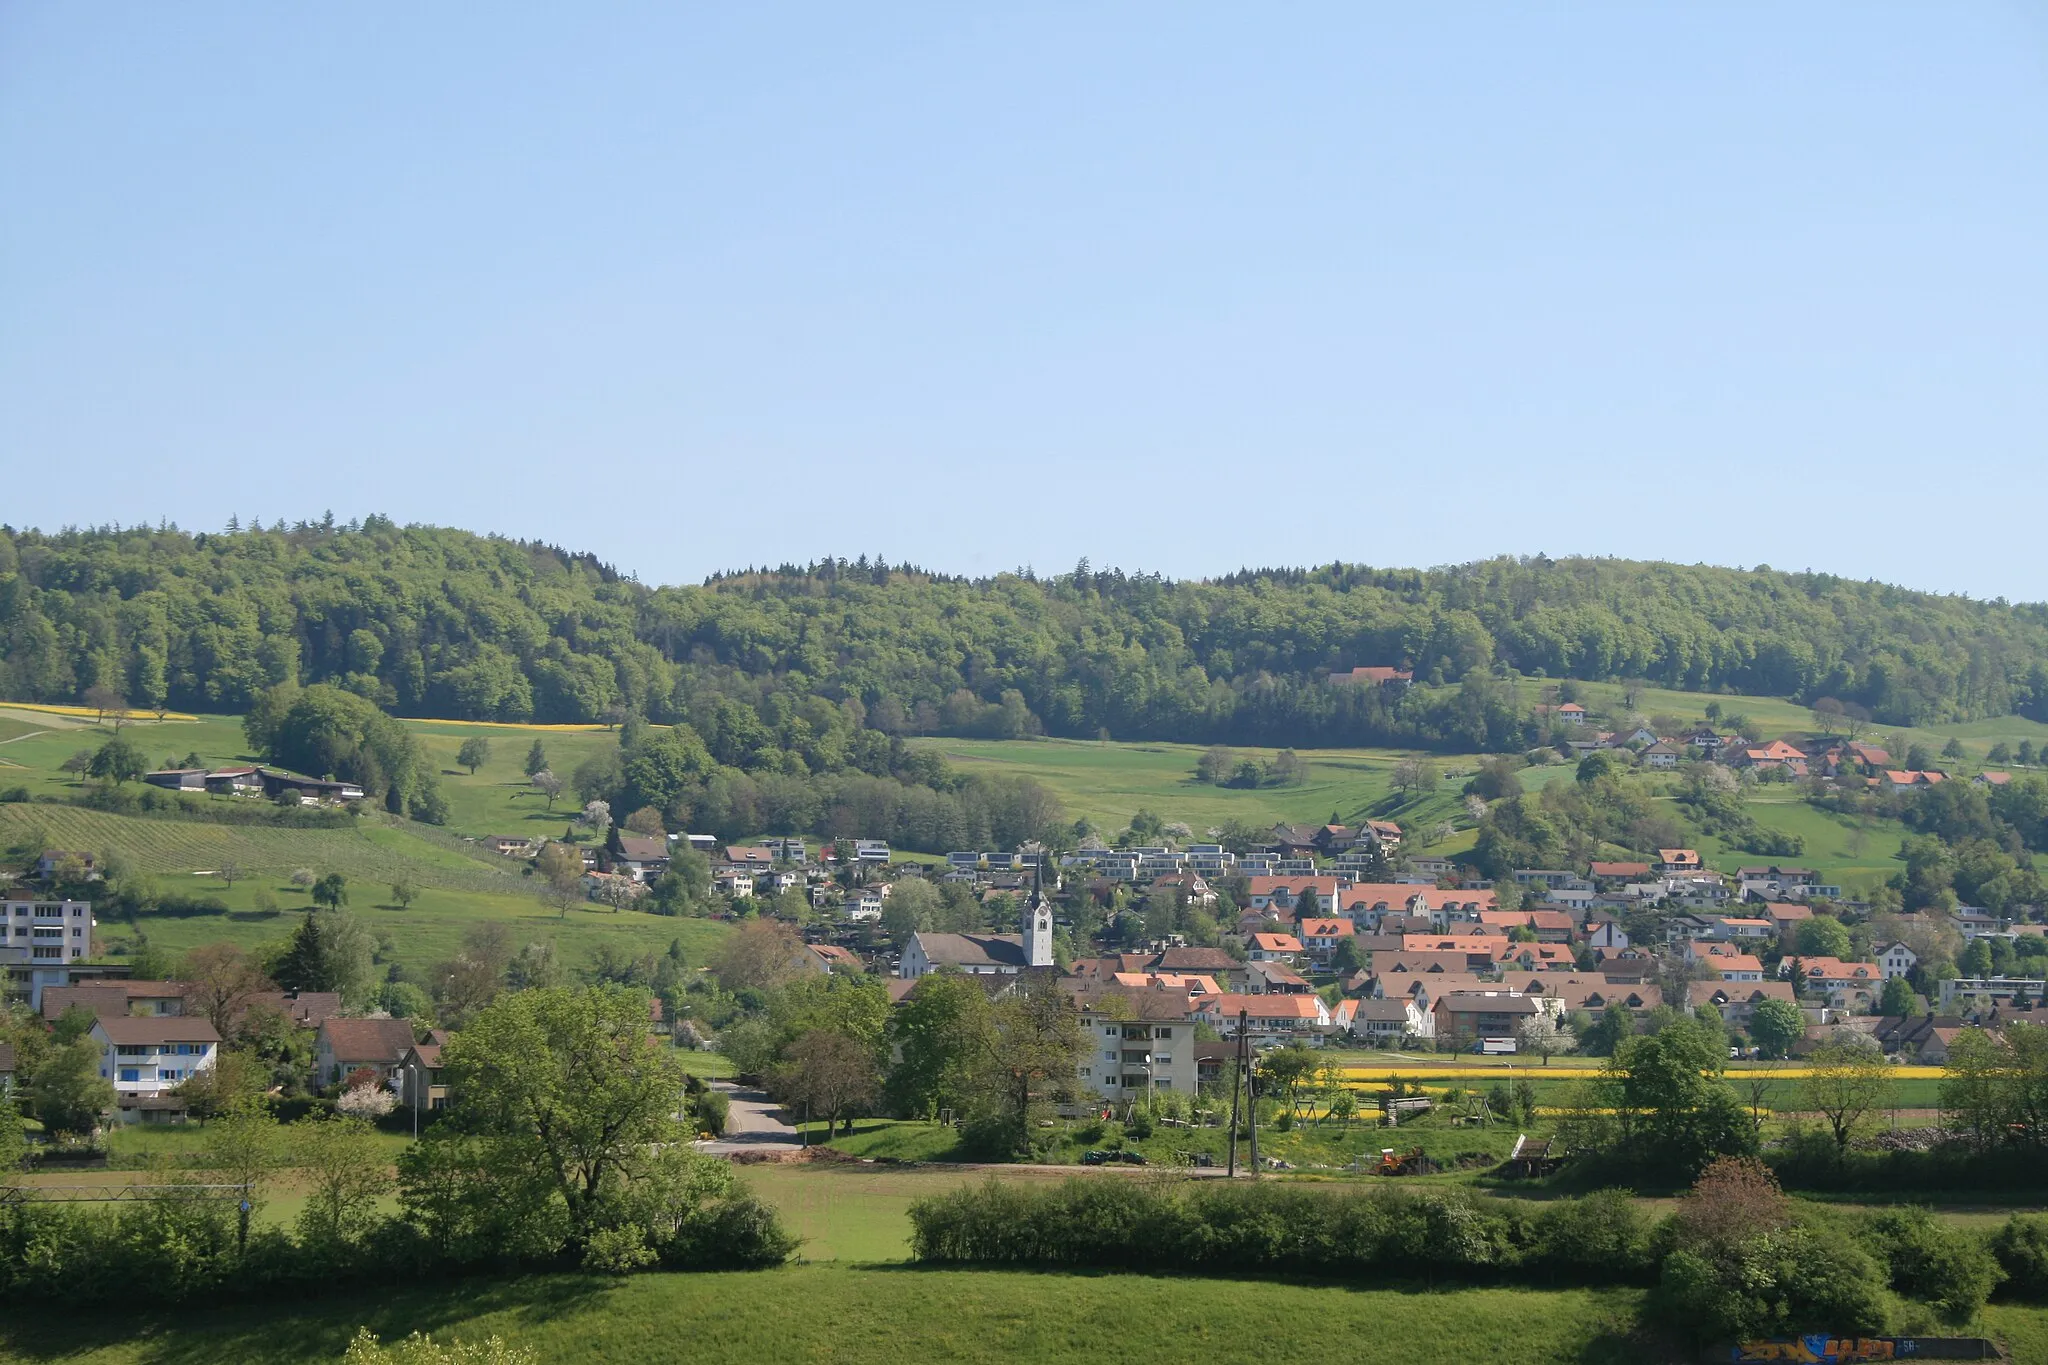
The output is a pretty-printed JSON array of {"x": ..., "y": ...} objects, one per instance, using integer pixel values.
[{"x": 439, "y": 622}]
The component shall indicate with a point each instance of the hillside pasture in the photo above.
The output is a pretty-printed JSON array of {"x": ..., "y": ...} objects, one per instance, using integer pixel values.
[
  {"x": 456, "y": 889},
  {"x": 1107, "y": 782}
]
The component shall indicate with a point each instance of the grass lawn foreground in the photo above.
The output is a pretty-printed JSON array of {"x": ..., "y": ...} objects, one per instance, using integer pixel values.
[{"x": 855, "y": 1314}]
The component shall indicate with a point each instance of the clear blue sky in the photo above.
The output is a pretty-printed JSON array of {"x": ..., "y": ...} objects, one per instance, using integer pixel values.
[{"x": 1177, "y": 287}]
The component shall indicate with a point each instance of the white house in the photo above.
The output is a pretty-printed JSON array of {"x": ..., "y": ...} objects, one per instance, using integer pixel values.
[
  {"x": 1151, "y": 1051},
  {"x": 1896, "y": 959},
  {"x": 44, "y": 932},
  {"x": 146, "y": 1057},
  {"x": 1393, "y": 1018}
]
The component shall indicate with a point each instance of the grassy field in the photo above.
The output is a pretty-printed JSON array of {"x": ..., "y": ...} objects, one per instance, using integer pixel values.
[
  {"x": 1108, "y": 783},
  {"x": 848, "y": 1315},
  {"x": 456, "y": 890}
]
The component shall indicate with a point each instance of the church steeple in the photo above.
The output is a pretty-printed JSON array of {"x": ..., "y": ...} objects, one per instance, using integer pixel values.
[{"x": 1038, "y": 918}]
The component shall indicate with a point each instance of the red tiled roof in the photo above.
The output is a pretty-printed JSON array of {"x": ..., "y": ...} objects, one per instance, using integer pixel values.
[{"x": 367, "y": 1040}]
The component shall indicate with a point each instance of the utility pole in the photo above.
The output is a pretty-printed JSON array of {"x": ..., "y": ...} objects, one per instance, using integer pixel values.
[
  {"x": 1251, "y": 1097},
  {"x": 1236, "y": 1079}
]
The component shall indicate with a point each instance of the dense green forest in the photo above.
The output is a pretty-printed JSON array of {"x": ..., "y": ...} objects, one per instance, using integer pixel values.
[{"x": 433, "y": 622}]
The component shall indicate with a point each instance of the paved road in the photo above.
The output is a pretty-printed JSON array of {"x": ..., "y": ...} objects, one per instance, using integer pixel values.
[{"x": 753, "y": 1124}]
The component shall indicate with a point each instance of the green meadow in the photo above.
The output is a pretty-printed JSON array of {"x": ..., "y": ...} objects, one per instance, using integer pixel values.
[
  {"x": 1107, "y": 782},
  {"x": 852, "y": 1314},
  {"x": 455, "y": 890}
]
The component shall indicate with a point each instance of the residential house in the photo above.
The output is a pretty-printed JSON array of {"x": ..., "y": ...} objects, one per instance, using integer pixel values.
[
  {"x": 1609, "y": 873},
  {"x": 870, "y": 851},
  {"x": 1786, "y": 917},
  {"x": 1924, "y": 1038},
  {"x": 1274, "y": 978},
  {"x": 1897, "y": 780},
  {"x": 1895, "y": 960},
  {"x": 1737, "y": 967},
  {"x": 1776, "y": 754},
  {"x": 44, "y": 932},
  {"x": 306, "y": 1010},
  {"x": 1734, "y": 1001},
  {"x": 345, "y": 1046},
  {"x": 734, "y": 881},
  {"x": 1385, "y": 833},
  {"x": 1571, "y": 713},
  {"x": 1678, "y": 860},
  {"x": 1293, "y": 895},
  {"x": 1391, "y": 1019},
  {"x": 1198, "y": 891},
  {"x": 1274, "y": 1018},
  {"x": 1416, "y": 964},
  {"x": 865, "y": 903},
  {"x": 419, "y": 1072},
  {"x": 752, "y": 858},
  {"x": 116, "y": 999},
  {"x": 54, "y": 860},
  {"x": 1992, "y": 779},
  {"x": 1141, "y": 1041},
  {"x": 1321, "y": 936},
  {"x": 1370, "y": 903},
  {"x": 643, "y": 857},
  {"x": 1274, "y": 948},
  {"x": 1187, "y": 983},
  {"x": 1849, "y": 985},
  {"x": 828, "y": 959},
  {"x": 1467, "y": 1016},
  {"x": 1540, "y": 957},
  {"x": 1602, "y": 932},
  {"x": 1660, "y": 756},
  {"x": 1549, "y": 926},
  {"x": 1741, "y": 928},
  {"x": 147, "y": 1057}
]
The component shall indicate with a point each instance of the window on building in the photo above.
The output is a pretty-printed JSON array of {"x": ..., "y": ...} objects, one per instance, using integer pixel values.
[{"x": 129, "y": 1073}]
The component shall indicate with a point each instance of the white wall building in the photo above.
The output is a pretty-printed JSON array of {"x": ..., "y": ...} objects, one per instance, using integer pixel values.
[
  {"x": 146, "y": 1057},
  {"x": 45, "y": 932}
]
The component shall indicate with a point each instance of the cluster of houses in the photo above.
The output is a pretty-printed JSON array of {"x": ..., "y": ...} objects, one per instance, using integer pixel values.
[
  {"x": 623, "y": 868},
  {"x": 1421, "y": 964},
  {"x": 154, "y": 1036}
]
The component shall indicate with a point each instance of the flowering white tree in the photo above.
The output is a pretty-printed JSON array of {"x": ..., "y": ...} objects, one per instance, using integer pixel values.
[
  {"x": 366, "y": 1102},
  {"x": 1543, "y": 1035},
  {"x": 598, "y": 816}
]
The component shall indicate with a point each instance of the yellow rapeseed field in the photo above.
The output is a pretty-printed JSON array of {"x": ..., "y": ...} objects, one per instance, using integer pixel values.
[
  {"x": 1437, "y": 1071},
  {"x": 92, "y": 711}
]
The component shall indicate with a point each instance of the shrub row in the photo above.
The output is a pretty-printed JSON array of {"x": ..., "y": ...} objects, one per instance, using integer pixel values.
[
  {"x": 1302, "y": 1229},
  {"x": 1813, "y": 1270},
  {"x": 1818, "y": 1165},
  {"x": 176, "y": 1247}
]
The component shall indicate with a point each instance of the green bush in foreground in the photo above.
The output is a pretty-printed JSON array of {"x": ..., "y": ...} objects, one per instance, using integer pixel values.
[
  {"x": 2021, "y": 1247},
  {"x": 1738, "y": 1258}
]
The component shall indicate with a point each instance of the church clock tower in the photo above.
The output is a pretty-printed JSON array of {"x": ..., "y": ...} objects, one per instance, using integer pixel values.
[{"x": 1038, "y": 919}]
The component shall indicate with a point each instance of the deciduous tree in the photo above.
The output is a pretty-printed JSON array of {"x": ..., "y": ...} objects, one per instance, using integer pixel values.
[
  {"x": 474, "y": 753},
  {"x": 1845, "y": 1083}
]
